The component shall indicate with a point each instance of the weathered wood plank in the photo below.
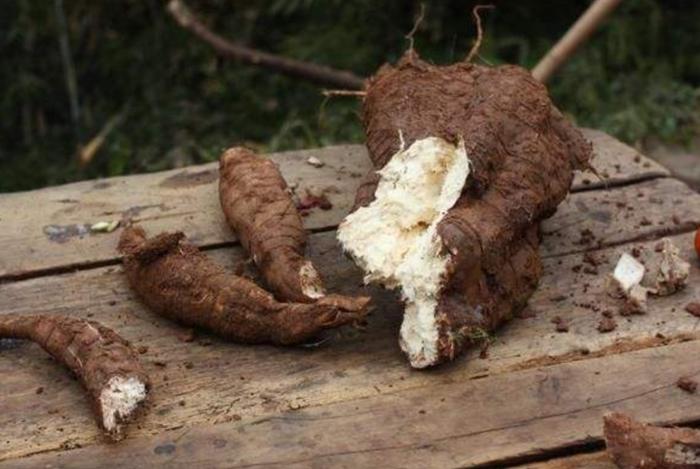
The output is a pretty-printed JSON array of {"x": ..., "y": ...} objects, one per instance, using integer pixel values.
[
  {"x": 41, "y": 228},
  {"x": 229, "y": 381},
  {"x": 444, "y": 425},
  {"x": 184, "y": 199},
  {"x": 599, "y": 460},
  {"x": 616, "y": 162},
  {"x": 600, "y": 218}
]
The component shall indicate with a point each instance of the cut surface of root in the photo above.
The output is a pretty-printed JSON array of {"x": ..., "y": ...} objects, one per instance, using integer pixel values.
[
  {"x": 310, "y": 281},
  {"x": 628, "y": 272},
  {"x": 119, "y": 399},
  {"x": 394, "y": 239},
  {"x": 660, "y": 272}
]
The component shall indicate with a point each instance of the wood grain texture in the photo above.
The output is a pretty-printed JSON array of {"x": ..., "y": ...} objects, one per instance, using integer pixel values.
[
  {"x": 187, "y": 199},
  {"x": 227, "y": 382},
  {"x": 448, "y": 425},
  {"x": 598, "y": 460},
  {"x": 206, "y": 386},
  {"x": 594, "y": 219}
]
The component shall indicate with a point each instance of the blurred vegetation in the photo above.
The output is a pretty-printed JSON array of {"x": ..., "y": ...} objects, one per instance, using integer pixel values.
[{"x": 176, "y": 103}]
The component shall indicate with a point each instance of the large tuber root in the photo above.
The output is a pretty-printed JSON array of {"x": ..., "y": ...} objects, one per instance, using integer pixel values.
[
  {"x": 469, "y": 159},
  {"x": 106, "y": 365},
  {"x": 634, "y": 445},
  {"x": 177, "y": 281},
  {"x": 259, "y": 208}
]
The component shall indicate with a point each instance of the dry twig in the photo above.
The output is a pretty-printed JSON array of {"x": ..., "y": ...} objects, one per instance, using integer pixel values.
[{"x": 315, "y": 73}]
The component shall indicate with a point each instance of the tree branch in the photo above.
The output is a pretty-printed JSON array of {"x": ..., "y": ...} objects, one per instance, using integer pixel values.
[
  {"x": 574, "y": 37},
  {"x": 315, "y": 73}
]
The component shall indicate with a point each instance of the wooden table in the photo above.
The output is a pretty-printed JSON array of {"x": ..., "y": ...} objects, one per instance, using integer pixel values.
[{"x": 537, "y": 399}]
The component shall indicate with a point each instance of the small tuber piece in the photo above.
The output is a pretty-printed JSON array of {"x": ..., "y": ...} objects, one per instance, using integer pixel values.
[
  {"x": 659, "y": 271},
  {"x": 259, "y": 208},
  {"x": 671, "y": 269},
  {"x": 176, "y": 280},
  {"x": 633, "y": 445},
  {"x": 105, "y": 364},
  {"x": 697, "y": 243}
]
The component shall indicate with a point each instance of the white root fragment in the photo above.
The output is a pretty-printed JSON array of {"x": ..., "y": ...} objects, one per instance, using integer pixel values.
[
  {"x": 395, "y": 241},
  {"x": 628, "y": 272},
  {"x": 663, "y": 272},
  {"x": 119, "y": 400},
  {"x": 635, "y": 301},
  {"x": 672, "y": 271},
  {"x": 315, "y": 162},
  {"x": 627, "y": 277},
  {"x": 311, "y": 283}
]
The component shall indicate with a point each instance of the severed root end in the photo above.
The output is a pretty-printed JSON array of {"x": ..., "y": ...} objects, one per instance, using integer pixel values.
[
  {"x": 628, "y": 273},
  {"x": 311, "y": 283},
  {"x": 635, "y": 445},
  {"x": 394, "y": 239},
  {"x": 344, "y": 309},
  {"x": 119, "y": 401}
]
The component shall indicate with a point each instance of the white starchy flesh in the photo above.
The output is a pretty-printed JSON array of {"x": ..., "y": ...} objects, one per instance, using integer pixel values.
[
  {"x": 395, "y": 241},
  {"x": 311, "y": 285},
  {"x": 635, "y": 300},
  {"x": 663, "y": 273},
  {"x": 628, "y": 272},
  {"x": 681, "y": 453},
  {"x": 119, "y": 399},
  {"x": 673, "y": 271}
]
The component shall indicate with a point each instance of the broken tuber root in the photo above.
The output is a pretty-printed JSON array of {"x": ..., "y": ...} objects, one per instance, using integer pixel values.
[
  {"x": 633, "y": 445},
  {"x": 177, "y": 281},
  {"x": 258, "y": 206},
  {"x": 106, "y": 365},
  {"x": 468, "y": 160},
  {"x": 659, "y": 271}
]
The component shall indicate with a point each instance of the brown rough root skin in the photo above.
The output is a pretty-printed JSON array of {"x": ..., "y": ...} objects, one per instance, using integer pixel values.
[
  {"x": 523, "y": 153},
  {"x": 92, "y": 351},
  {"x": 177, "y": 281},
  {"x": 258, "y": 207},
  {"x": 634, "y": 445}
]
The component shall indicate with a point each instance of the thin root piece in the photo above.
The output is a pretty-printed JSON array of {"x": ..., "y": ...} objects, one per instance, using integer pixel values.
[
  {"x": 105, "y": 363},
  {"x": 331, "y": 93},
  {"x": 633, "y": 445},
  {"x": 479, "y": 32},
  {"x": 177, "y": 281}
]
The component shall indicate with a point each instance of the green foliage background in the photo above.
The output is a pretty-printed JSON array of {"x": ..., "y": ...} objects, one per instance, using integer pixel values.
[{"x": 180, "y": 104}]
